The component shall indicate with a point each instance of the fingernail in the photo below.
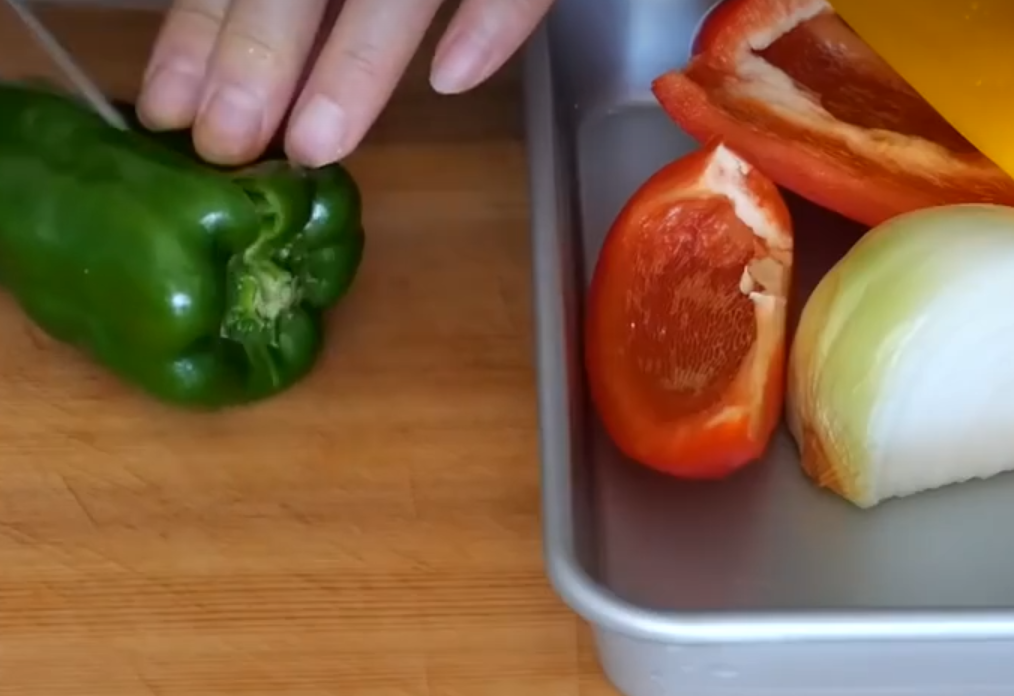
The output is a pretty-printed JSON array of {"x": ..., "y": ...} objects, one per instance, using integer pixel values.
[
  {"x": 170, "y": 96},
  {"x": 460, "y": 66},
  {"x": 232, "y": 120},
  {"x": 318, "y": 135}
]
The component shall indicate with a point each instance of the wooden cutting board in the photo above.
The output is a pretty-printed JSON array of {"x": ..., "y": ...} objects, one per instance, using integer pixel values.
[{"x": 373, "y": 532}]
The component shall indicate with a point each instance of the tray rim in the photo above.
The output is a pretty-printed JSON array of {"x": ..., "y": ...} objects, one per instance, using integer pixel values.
[{"x": 549, "y": 190}]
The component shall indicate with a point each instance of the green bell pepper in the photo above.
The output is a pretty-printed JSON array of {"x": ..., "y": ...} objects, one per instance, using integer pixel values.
[{"x": 203, "y": 287}]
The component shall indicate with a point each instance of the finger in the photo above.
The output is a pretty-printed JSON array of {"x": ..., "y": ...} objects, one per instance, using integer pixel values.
[
  {"x": 253, "y": 74},
  {"x": 172, "y": 85},
  {"x": 358, "y": 68},
  {"x": 480, "y": 39}
]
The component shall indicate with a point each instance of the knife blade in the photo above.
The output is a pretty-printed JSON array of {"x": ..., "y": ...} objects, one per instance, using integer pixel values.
[{"x": 66, "y": 64}]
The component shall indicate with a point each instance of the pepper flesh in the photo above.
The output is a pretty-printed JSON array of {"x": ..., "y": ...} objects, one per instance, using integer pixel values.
[
  {"x": 792, "y": 89},
  {"x": 685, "y": 328},
  {"x": 203, "y": 288}
]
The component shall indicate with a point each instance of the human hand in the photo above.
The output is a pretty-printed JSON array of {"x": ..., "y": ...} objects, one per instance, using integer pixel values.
[{"x": 231, "y": 68}]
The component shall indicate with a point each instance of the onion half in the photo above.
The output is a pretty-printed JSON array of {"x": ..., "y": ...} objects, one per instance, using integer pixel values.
[{"x": 901, "y": 372}]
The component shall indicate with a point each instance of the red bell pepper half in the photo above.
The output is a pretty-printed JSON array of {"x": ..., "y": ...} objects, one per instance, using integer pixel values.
[{"x": 791, "y": 88}]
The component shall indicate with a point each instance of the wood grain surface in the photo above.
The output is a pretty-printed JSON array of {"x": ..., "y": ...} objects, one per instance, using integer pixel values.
[{"x": 375, "y": 531}]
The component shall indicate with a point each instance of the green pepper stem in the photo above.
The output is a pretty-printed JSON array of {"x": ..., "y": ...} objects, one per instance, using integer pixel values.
[
  {"x": 261, "y": 291},
  {"x": 263, "y": 362}
]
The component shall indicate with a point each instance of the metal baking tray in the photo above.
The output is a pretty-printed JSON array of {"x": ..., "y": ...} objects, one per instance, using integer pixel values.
[{"x": 761, "y": 584}]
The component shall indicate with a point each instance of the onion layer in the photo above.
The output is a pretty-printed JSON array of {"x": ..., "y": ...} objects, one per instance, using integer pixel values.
[{"x": 901, "y": 373}]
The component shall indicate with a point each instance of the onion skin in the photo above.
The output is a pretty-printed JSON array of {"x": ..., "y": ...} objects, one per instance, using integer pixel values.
[{"x": 901, "y": 372}]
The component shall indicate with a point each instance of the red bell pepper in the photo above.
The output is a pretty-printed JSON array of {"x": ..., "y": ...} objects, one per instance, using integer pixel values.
[
  {"x": 791, "y": 88},
  {"x": 685, "y": 328}
]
